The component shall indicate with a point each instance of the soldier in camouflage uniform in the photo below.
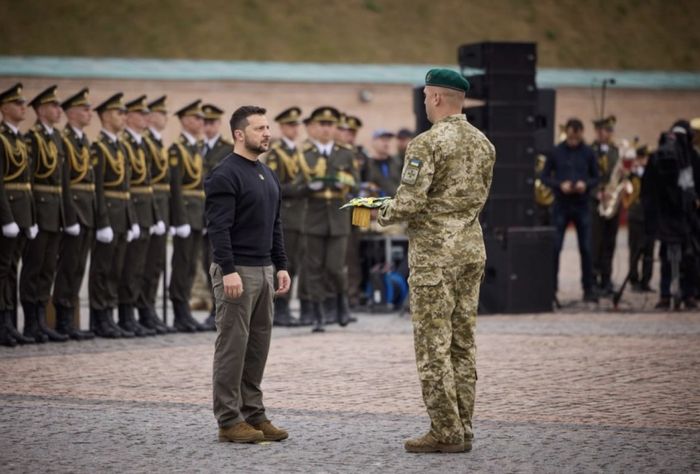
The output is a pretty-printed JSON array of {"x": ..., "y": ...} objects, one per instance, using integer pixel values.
[{"x": 444, "y": 185}]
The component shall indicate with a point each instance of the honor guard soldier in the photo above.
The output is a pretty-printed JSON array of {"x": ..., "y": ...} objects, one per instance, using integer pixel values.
[
  {"x": 74, "y": 249},
  {"x": 216, "y": 148},
  {"x": 116, "y": 224},
  {"x": 160, "y": 182},
  {"x": 54, "y": 211},
  {"x": 330, "y": 171},
  {"x": 283, "y": 159},
  {"x": 145, "y": 211},
  {"x": 604, "y": 227},
  {"x": 16, "y": 204},
  {"x": 186, "y": 186}
]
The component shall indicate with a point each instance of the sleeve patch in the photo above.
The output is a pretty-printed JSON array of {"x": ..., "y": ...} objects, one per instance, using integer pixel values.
[{"x": 411, "y": 171}]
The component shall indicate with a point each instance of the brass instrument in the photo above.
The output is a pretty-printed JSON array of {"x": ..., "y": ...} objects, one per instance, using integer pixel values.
[
  {"x": 618, "y": 186},
  {"x": 543, "y": 194}
]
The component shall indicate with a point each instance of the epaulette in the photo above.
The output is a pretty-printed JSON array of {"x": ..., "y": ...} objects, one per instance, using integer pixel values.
[
  {"x": 346, "y": 146},
  {"x": 308, "y": 146},
  {"x": 226, "y": 141}
]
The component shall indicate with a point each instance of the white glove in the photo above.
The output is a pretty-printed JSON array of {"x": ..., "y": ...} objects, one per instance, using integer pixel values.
[
  {"x": 316, "y": 185},
  {"x": 10, "y": 230},
  {"x": 183, "y": 231},
  {"x": 339, "y": 185},
  {"x": 32, "y": 232},
  {"x": 204, "y": 231},
  {"x": 136, "y": 230},
  {"x": 159, "y": 228},
  {"x": 129, "y": 235},
  {"x": 172, "y": 231},
  {"x": 73, "y": 230},
  {"x": 105, "y": 235}
]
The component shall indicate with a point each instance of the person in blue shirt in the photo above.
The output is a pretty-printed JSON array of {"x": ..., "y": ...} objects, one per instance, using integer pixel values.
[{"x": 571, "y": 171}]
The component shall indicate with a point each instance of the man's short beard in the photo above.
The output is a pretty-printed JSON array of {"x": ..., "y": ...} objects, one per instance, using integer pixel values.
[{"x": 256, "y": 148}]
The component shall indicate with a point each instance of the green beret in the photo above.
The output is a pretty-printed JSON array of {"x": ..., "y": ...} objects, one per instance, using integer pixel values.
[{"x": 447, "y": 78}]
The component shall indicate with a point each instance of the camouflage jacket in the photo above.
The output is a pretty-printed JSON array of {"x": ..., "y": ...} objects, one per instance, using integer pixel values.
[{"x": 444, "y": 185}]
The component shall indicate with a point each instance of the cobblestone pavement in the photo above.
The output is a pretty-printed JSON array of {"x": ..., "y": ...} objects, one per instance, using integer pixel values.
[
  {"x": 559, "y": 392},
  {"x": 582, "y": 390}
]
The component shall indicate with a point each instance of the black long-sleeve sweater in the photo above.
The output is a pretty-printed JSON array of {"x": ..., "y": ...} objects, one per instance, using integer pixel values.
[{"x": 242, "y": 210}]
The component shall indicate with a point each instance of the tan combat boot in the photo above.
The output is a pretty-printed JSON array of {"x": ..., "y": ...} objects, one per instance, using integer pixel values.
[
  {"x": 241, "y": 433},
  {"x": 271, "y": 432},
  {"x": 428, "y": 444}
]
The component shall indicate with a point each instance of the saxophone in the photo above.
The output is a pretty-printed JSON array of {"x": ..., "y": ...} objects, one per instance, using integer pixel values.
[{"x": 617, "y": 187}]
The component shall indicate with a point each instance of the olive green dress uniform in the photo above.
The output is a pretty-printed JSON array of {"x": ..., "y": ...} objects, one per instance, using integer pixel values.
[
  {"x": 212, "y": 156},
  {"x": 146, "y": 214},
  {"x": 444, "y": 185},
  {"x": 187, "y": 188},
  {"x": 112, "y": 178},
  {"x": 155, "y": 256},
  {"x": 73, "y": 254},
  {"x": 284, "y": 160},
  {"x": 604, "y": 230},
  {"x": 326, "y": 228},
  {"x": 16, "y": 205},
  {"x": 54, "y": 211}
]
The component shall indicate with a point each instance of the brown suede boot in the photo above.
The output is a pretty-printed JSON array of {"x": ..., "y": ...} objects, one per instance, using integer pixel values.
[
  {"x": 271, "y": 432},
  {"x": 428, "y": 444},
  {"x": 241, "y": 433}
]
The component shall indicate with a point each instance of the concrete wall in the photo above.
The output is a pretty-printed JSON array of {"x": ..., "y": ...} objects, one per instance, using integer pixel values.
[{"x": 642, "y": 113}]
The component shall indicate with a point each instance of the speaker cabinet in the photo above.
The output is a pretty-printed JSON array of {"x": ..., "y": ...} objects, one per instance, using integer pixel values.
[
  {"x": 503, "y": 87},
  {"x": 499, "y": 57},
  {"x": 519, "y": 273}
]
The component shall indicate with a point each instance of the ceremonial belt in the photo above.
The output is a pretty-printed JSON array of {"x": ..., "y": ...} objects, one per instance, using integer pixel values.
[
  {"x": 123, "y": 195},
  {"x": 18, "y": 186},
  {"x": 328, "y": 194},
  {"x": 161, "y": 187},
  {"x": 83, "y": 187},
  {"x": 193, "y": 193},
  {"x": 46, "y": 188},
  {"x": 141, "y": 190}
]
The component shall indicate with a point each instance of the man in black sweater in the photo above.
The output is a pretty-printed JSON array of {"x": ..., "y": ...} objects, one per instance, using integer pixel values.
[
  {"x": 243, "y": 221},
  {"x": 571, "y": 171}
]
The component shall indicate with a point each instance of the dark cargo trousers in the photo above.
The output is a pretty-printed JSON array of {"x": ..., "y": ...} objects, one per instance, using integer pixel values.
[{"x": 243, "y": 330}]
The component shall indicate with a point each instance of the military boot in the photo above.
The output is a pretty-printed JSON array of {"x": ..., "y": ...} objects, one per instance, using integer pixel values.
[
  {"x": 210, "y": 322},
  {"x": 6, "y": 338},
  {"x": 100, "y": 326},
  {"x": 306, "y": 315},
  {"x": 148, "y": 321},
  {"x": 8, "y": 322},
  {"x": 343, "y": 309},
  {"x": 318, "y": 317},
  {"x": 161, "y": 322},
  {"x": 241, "y": 433},
  {"x": 282, "y": 315},
  {"x": 428, "y": 444},
  {"x": 44, "y": 327},
  {"x": 64, "y": 324},
  {"x": 31, "y": 323},
  {"x": 128, "y": 322},
  {"x": 182, "y": 317},
  {"x": 108, "y": 319},
  {"x": 330, "y": 310}
]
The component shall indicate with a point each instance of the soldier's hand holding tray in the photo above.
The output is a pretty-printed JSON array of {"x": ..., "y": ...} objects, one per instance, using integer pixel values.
[{"x": 362, "y": 209}]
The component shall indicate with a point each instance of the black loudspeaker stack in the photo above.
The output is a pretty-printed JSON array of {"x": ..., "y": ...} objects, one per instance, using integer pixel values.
[{"x": 518, "y": 118}]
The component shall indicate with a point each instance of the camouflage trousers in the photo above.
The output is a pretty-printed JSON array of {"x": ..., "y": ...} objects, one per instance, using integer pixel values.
[{"x": 443, "y": 306}]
